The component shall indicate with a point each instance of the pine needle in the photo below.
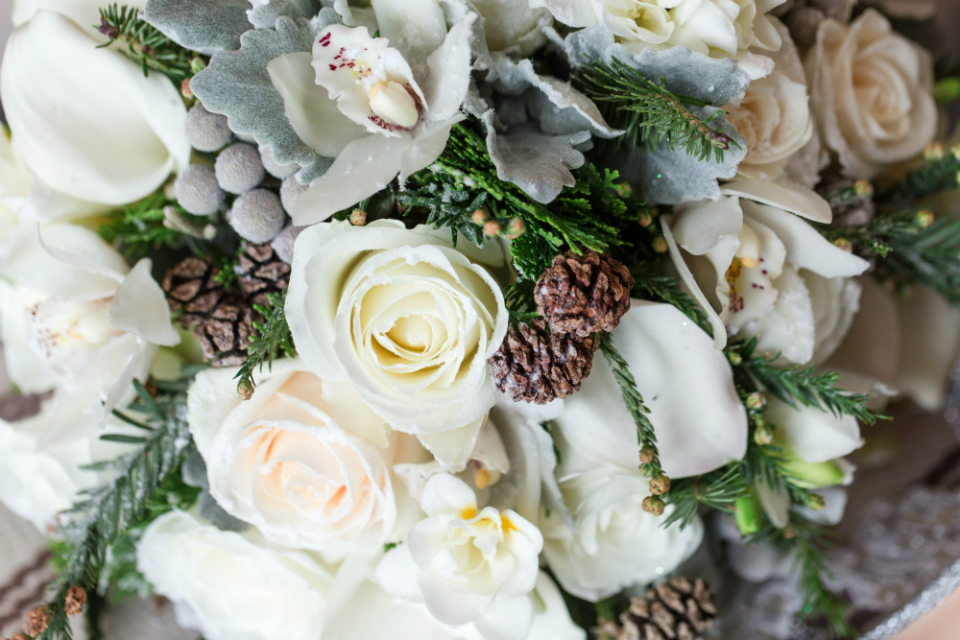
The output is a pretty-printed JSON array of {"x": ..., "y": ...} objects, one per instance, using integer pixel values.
[
  {"x": 272, "y": 339},
  {"x": 146, "y": 45},
  {"x": 650, "y": 113}
]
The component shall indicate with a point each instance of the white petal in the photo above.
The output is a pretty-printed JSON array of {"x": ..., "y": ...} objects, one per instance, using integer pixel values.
[
  {"x": 110, "y": 147},
  {"x": 312, "y": 114},
  {"x": 672, "y": 360},
  {"x": 789, "y": 197},
  {"x": 507, "y": 619},
  {"x": 140, "y": 307},
  {"x": 428, "y": 143},
  {"x": 789, "y": 328},
  {"x": 814, "y": 435},
  {"x": 872, "y": 345},
  {"x": 452, "y": 448},
  {"x": 776, "y": 504},
  {"x": 806, "y": 247},
  {"x": 573, "y": 13},
  {"x": 447, "y": 495},
  {"x": 415, "y": 27},
  {"x": 364, "y": 167},
  {"x": 929, "y": 344},
  {"x": 446, "y": 86},
  {"x": 553, "y": 622},
  {"x": 703, "y": 226},
  {"x": 85, "y": 13}
]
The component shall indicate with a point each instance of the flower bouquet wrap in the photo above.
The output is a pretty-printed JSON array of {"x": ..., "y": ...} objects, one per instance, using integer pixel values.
[{"x": 469, "y": 319}]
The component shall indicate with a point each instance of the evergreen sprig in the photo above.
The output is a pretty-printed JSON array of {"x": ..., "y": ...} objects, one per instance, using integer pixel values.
[
  {"x": 272, "y": 338},
  {"x": 878, "y": 236},
  {"x": 133, "y": 496},
  {"x": 586, "y": 216},
  {"x": 718, "y": 490},
  {"x": 801, "y": 386},
  {"x": 646, "y": 436},
  {"x": 146, "y": 45},
  {"x": 448, "y": 208},
  {"x": 940, "y": 171},
  {"x": 142, "y": 226},
  {"x": 650, "y": 113},
  {"x": 930, "y": 257}
]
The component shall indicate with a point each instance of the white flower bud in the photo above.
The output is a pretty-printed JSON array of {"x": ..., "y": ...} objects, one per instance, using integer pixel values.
[
  {"x": 239, "y": 168},
  {"x": 207, "y": 131},
  {"x": 197, "y": 191},
  {"x": 257, "y": 215}
]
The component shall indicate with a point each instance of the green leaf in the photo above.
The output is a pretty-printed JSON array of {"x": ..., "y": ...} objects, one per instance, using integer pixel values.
[{"x": 124, "y": 439}]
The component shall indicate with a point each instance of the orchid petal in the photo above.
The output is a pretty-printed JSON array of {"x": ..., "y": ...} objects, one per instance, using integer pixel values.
[{"x": 140, "y": 307}]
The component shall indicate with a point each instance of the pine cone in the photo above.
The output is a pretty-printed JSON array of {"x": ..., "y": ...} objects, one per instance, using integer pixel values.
[
  {"x": 584, "y": 294},
  {"x": 535, "y": 365},
  {"x": 191, "y": 288},
  {"x": 262, "y": 272},
  {"x": 223, "y": 320},
  {"x": 680, "y": 609}
]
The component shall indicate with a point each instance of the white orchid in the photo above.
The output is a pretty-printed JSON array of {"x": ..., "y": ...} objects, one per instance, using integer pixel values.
[
  {"x": 85, "y": 121},
  {"x": 776, "y": 277},
  {"x": 78, "y": 320},
  {"x": 382, "y": 106}
]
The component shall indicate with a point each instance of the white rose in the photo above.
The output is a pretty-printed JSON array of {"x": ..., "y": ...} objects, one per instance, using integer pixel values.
[
  {"x": 360, "y": 605},
  {"x": 774, "y": 276},
  {"x": 40, "y": 476},
  {"x": 718, "y": 28},
  {"x": 467, "y": 565},
  {"x": 406, "y": 319},
  {"x": 85, "y": 120},
  {"x": 872, "y": 93},
  {"x": 233, "y": 586},
  {"x": 76, "y": 318},
  {"x": 304, "y": 460},
  {"x": 615, "y": 544},
  {"x": 775, "y": 121},
  {"x": 672, "y": 360},
  {"x": 512, "y": 26}
]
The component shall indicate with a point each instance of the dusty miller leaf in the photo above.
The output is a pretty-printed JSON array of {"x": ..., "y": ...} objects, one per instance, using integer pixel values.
[
  {"x": 207, "y": 27},
  {"x": 237, "y": 85},
  {"x": 265, "y": 16}
]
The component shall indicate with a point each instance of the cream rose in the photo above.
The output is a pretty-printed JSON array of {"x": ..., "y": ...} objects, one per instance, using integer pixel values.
[
  {"x": 871, "y": 93},
  {"x": 233, "y": 586},
  {"x": 773, "y": 276},
  {"x": 409, "y": 321},
  {"x": 512, "y": 26},
  {"x": 775, "y": 121},
  {"x": 304, "y": 460},
  {"x": 467, "y": 565}
]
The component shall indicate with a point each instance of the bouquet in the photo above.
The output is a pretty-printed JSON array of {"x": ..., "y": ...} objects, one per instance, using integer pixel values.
[{"x": 463, "y": 319}]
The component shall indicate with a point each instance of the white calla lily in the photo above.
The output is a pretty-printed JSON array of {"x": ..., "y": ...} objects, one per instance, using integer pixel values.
[
  {"x": 85, "y": 120},
  {"x": 673, "y": 360},
  {"x": 85, "y": 13}
]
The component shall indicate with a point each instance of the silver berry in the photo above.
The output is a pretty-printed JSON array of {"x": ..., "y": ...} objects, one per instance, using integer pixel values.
[
  {"x": 257, "y": 216},
  {"x": 197, "y": 191},
  {"x": 290, "y": 192},
  {"x": 276, "y": 170},
  {"x": 207, "y": 131},
  {"x": 283, "y": 243},
  {"x": 239, "y": 168}
]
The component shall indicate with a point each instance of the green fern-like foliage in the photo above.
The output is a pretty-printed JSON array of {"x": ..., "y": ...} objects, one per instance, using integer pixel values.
[
  {"x": 144, "y": 226},
  {"x": 650, "y": 113},
  {"x": 146, "y": 45},
  {"x": 143, "y": 486},
  {"x": 929, "y": 257},
  {"x": 272, "y": 339}
]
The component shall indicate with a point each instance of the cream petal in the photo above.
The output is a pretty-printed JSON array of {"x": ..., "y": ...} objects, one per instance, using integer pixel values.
[
  {"x": 573, "y": 13},
  {"x": 452, "y": 448},
  {"x": 312, "y": 114},
  {"x": 507, "y": 619},
  {"x": 446, "y": 86},
  {"x": 427, "y": 145},
  {"x": 929, "y": 344},
  {"x": 775, "y": 503},
  {"x": 553, "y": 622},
  {"x": 814, "y": 435},
  {"x": 416, "y": 28},
  {"x": 703, "y": 226},
  {"x": 108, "y": 147},
  {"x": 364, "y": 167},
  {"x": 788, "y": 329},
  {"x": 140, "y": 307},
  {"x": 806, "y": 247},
  {"x": 789, "y": 197},
  {"x": 85, "y": 13}
]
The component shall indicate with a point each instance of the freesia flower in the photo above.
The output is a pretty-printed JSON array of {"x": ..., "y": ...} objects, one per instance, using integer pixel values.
[
  {"x": 467, "y": 565},
  {"x": 85, "y": 120},
  {"x": 230, "y": 585},
  {"x": 305, "y": 459},
  {"x": 409, "y": 321}
]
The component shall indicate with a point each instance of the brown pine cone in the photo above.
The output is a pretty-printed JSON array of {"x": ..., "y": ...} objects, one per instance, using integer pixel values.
[
  {"x": 225, "y": 335},
  {"x": 584, "y": 294},
  {"x": 191, "y": 288},
  {"x": 680, "y": 609},
  {"x": 535, "y": 365},
  {"x": 262, "y": 272}
]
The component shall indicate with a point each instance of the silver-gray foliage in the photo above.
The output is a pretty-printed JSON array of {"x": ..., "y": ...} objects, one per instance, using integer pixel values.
[
  {"x": 207, "y": 27},
  {"x": 237, "y": 84}
]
